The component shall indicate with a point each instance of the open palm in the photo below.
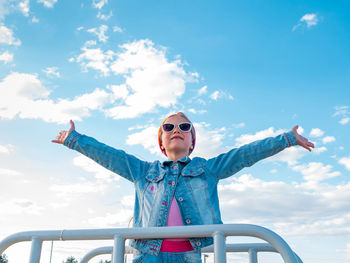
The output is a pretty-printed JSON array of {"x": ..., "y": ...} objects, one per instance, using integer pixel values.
[
  {"x": 62, "y": 135},
  {"x": 302, "y": 141}
]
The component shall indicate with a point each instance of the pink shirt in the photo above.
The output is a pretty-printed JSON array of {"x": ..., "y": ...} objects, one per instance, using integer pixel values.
[
  {"x": 174, "y": 218},
  {"x": 175, "y": 244}
]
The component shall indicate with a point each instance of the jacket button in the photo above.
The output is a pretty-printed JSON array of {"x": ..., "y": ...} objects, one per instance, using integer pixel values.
[
  {"x": 188, "y": 221},
  {"x": 181, "y": 199},
  {"x": 198, "y": 243}
]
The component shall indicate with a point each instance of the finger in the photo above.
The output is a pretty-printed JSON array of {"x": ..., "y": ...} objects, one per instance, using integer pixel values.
[
  {"x": 311, "y": 145},
  {"x": 295, "y": 128},
  {"x": 307, "y": 148},
  {"x": 55, "y": 141},
  {"x": 72, "y": 126}
]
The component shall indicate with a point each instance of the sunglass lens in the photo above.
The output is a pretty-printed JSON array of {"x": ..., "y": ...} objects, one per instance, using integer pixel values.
[
  {"x": 185, "y": 127},
  {"x": 168, "y": 127}
]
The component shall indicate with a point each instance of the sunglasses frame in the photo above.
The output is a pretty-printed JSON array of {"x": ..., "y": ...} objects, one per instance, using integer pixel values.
[{"x": 178, "y": 125}]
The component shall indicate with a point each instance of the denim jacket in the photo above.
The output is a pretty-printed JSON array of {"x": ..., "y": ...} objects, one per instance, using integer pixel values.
[{"x": 192, "y": 181}]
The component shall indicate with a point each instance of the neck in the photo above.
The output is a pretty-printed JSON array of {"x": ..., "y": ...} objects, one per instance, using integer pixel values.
[{"x": 176, "y": 156}]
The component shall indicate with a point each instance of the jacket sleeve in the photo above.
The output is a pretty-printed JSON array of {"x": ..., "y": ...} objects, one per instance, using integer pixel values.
[
  {"x": 117, "y": 161},
  {"x": 236, "y": 159}
]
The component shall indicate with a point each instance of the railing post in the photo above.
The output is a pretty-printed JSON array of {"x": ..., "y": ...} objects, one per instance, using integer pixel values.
[
  {"x": 118, "y": 249},
  {"x": 253, "y": 256},
  {"x": 35, "y": 251},
  {"x": 219, "y": 247}
]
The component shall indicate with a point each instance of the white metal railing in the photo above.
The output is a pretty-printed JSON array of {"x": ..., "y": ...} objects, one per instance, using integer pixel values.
[
  {"x": 251, "y": 248},
  {"x": 219, "y": 232}
]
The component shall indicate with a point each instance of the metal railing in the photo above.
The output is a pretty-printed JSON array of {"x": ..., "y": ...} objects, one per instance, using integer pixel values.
[
  {"x": 251, "y": 248},
  {"x": 119, "y": 235}
]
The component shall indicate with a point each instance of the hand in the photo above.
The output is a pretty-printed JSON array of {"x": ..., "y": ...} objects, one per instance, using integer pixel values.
[
  {"x": 62, "y": 136},
  {"x": 302, "y": 141}
]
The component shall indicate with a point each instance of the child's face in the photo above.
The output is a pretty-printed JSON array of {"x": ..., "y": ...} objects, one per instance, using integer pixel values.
[{"x": 176, "y": 140}]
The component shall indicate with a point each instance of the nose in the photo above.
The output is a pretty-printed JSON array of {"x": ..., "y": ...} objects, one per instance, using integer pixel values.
[{"x": 177, "y": 129}]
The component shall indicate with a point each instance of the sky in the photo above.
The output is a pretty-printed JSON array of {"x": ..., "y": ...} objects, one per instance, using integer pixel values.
[{"x": 241, "y": 71}]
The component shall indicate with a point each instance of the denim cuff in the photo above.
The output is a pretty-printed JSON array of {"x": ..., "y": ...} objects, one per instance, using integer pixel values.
[
  {"x": 71, "y": 138},
  {"x": 290, "y": 137}
]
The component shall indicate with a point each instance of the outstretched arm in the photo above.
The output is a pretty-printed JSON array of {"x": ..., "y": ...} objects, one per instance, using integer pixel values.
[
  {"x": 113, "y": 159},
  {"x": 302, "y": 141},
  {"x": 233, "y": 161}
]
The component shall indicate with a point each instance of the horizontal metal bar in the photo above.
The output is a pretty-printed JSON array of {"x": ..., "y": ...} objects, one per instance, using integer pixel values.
[
  {"x": 244, "y": 247},
  {"x": 158, "y": 232}
]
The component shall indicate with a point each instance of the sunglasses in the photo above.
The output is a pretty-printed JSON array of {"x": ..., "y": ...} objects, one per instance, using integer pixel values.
[{"x": 183, "y": 126}]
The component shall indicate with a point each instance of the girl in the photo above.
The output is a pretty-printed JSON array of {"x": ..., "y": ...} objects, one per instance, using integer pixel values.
[{"x": 179, "y": 191}]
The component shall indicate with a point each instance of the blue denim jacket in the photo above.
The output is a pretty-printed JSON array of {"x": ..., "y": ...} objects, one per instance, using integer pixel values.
[{"x": 193, "y": 182}]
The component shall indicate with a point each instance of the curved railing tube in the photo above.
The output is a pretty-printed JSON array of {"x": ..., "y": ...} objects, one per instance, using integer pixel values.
[
  {"x": 244, "y": 247},
  {"x": 219, "y": 232}
]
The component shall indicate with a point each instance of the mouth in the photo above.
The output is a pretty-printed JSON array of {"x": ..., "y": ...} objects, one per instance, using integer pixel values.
[{"x": 177, "y": 137}]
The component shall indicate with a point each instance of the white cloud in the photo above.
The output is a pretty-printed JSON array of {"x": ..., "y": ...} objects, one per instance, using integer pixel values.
[
  {"x": 308, "y": 20},
  {"x": 96, "y": 59},
  {"x": 319, "y": 150},
  {"x": 100, "y": 33},
  {"x": 147, "y": 137},
  {"x": 119, "y": 91},
  {"x": 83, "y": 187},
  {"x": 290, "y": 155},
  {"x": 328, "y": 139},
  {"x": 48, "y": 3},
  {"x": 9, "y": 172},
  {"x": 7, "y": 37},
  {"x": 343, "y": 112},
  {"x": 99, "y": 4},
  {"x": 104, "y": 16},
  {"x": 220, "y": 95},
  {"x": 90, "y": 43},
  {"x": 24, "y": 7},
  {"x": 315, "y": 172},
  {"x": 209, "y": 142},
  {"x": 239, "y": 125},
  {"x": 20, "y": 206},
  {"x": 346, "y": 162},
  {"x": 35, "y": 20},
  {"x": 25, "y": 96},
  {"x": 151, "y": 79},
  {"x": 202, "y": 90},
  {"x": 117, "y": 29},
  {"x": 120, "y": 218},
  {"x": 4, "y": 10},
  {"x": 90, "y": 166},
  {"x": 294, "y": 208},
  {"x": 348, "y": 250},
  {"x": 52, "y": 71},
  {"x": 6, "y": 57},
  {"x": 316, "y": 132},
  {"x": 214, "y": 95},
  {"x": 344, "y": 120},
  {"x": 194, "y": 111},
  {"x": 6, "y": 148}
]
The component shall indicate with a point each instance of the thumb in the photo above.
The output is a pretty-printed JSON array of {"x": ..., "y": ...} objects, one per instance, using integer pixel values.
[
  {"x": 294, "y": 129},
  {"x": 72, "y": 126}
]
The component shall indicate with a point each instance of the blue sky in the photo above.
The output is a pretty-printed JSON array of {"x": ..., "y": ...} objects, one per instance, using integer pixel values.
[{"x": 241, "y": 70}]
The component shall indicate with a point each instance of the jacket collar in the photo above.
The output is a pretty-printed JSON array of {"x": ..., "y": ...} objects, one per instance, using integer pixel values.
[{"x": 184, "y": 160}]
